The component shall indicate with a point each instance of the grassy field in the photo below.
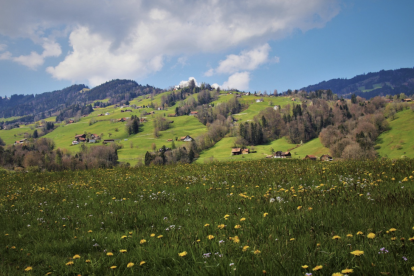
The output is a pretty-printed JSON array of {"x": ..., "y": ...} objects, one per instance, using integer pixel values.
[
  {"x": 273, "y": 217},
  {"x": 398, "y": 141}
]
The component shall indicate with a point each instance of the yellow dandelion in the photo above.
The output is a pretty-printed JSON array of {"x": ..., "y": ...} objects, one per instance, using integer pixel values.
[
  {"x": 393, "y": 239},
  {"x": 412, "y": 268},
  {"x": 160, "y": 236},
  {"x": 226, "y": 216},
  {"x": 245, "y": 248},
  {"x": 292, "y": 239},
  {"x": 265, "y": 214},
  {"x": 206, "y": 225},
  {"x": 349, "y": 235},
  {"x": 122, "y": 251},
  {"x": 310, "y": 208},
  {"x": 371, "y": 236},
  {"x": 109, "y": 254},
  {"x": 152, "y": 235},
  {"x": 69, "y": 263},
  {"x": 198, "y": 240},
  {"x": 129, "y": 265},
  {"x": 236, "y": 239},
  {"x": 142, "y": 262},
  {"x": 299, "y": 207},
  {"x": 28, "y": 268},
  {"x": 337, "y": 274},
  {"x": 142, "y": 241},
  {"x": 182, "y": 254},
  {"x": 210, "y": 237},
  {"x": 88, "y": 261},
  {"x": 130, "y": 233},
  {"x": 90, "y": 231},
  {"x": 113, "y": 267},
  {"x": 243, "y": 219},
  {"x": 123, "y": 237},
  {"x": 360, "y": 233},
  {"x": 318, "y": 267},
  {"x": 76, "y": 257},
  {"x": 392, "y": 230},
  {"x": 257, "y": 251},
  {"x": 411, "y": 239},
  {"x": 318, "y": 244},
  {"x": 357, "y": 252},
  {"x": 336, "y": 237},
  {"x": 305, "y": 266},
  {"x": 348, "y": 270},
  {"x": 237, "y": 226}
]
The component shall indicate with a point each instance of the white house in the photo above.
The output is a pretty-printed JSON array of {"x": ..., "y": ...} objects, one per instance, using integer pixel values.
[
  {"x": 259, "y": 101},
  {"x": 75, "y": 142},
  {"x": 107, "y": 113},
  {"x": 186, "y": 138},
  {"x": 276, "y": 107}
]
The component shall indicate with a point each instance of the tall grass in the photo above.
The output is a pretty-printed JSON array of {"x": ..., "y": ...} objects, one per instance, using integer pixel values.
[{"x": 279, "y": 217}]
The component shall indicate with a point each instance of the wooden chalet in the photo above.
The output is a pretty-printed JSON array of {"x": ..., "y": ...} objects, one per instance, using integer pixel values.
[
  {"x": 80, "y": 137},
  {"x": 281, "y": 154},
  {"x": 310, "y": 157},
  {"x": 406, "y": 100},
  {"x": 245, "y": 151},
  {"x": 122, "y": 120},
  {"x": 326, "y": 157},
  {"x": 193, "y": 113},
  {"x": 186, "y": 138}
]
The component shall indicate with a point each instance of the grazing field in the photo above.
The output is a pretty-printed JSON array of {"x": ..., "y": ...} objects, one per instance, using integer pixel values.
[
  {"x": 398, "y": 141},
  {"x": 274, "y": 217}
]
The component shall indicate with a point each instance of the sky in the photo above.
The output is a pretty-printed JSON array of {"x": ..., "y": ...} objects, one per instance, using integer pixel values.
[{"x": 264, "y": 45}]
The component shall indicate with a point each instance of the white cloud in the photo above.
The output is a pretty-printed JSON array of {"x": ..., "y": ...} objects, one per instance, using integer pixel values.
[
  {"x": 5, "y": 56},
  {"x": 185, "y": 83},
  {"x": 238, "y": 81},
  {"x": 131, "y": 38},
  {"x": 3, "y": 47},
  {"x": 247, "y": 60}
]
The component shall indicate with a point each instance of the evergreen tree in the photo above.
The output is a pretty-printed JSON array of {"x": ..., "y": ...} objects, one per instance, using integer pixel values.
[{"x": 35, "y": 134}]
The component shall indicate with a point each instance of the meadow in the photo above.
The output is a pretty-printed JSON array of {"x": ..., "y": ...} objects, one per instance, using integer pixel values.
[{"x": 274, "y": 217}]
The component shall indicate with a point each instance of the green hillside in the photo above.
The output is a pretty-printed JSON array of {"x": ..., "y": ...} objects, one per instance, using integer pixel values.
[{"x": 398, "y": 141}]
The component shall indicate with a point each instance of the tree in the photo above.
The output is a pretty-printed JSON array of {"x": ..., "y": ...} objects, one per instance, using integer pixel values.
[
  {"x": 148, "y": 158},
  {"x": 173, "y": 145},
  {"x": 35, "y": 134},
  {"x": 2, "y": 142},
  {"x": 353, "y": 99}
]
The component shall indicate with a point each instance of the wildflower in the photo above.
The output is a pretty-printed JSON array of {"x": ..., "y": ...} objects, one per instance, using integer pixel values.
[
  {"x": 411, "y": 239},
  {"x": 318, "y": 267},
  {"x": 210, "y": 237},
  {"x": 109, "y": 254},
  {"x": 236, "y": 239},
  {"x": 404, "y": 258},
  {"x": 318, "y": 244},
  {"x": 336, "y": 237},
  {"x": 257, "y": 251},
  {"x": 308, "y": 274},
  {"x": 76, "y": 257},
  {"x": 226, "y": 216},
  {"x": 348, "y": 270},
  {"x": 305, "y": 266},
  {"x": 245, "y": 248},
  {"x": 90, "y": 231},
  {"x": 123, "y": 237},
  {"x": 299, "y": 207},
  {"x": 182, "y": 254},
  {"x": 237, "y": 226},
  {"x": 87, "y": 261},
  {"x": 198, "y": 240},
  {"x": 357, "y": 252},
  {"x": 265, "y": 214},
  {"x": 349, "y": 235},
  {"x": 142, "y": 241},
  {"x": 221, "y": 226},
  {"x": 393, "y": 239},
  {"x": 142, "y": 262},
  {"x": 292, "y": 239},
  {"x": 28, "y": 268},
  {"x": 243, "y": 219},
  {"x": 130, "y": 233},
  {"x": 371, "y": 236},
  {"x": 412, "y": 268},
  {"x": 160, "y": 236},
  {"x": 129, "y": 265},
  {"x": 113, "y": 267},
  {"x": 360, "y": 233},
  {"x": 392, "y": 230},
  {"x": 152, "y": 235},
  {"x": 206, "y": 225},
  {"x": 69, "y": 263},
  {"x": 231, "y": 264},
  {"x": 337, "y": 274},
  {"x": 310, "y": 208},
  {"x": 122, "y": 251}
]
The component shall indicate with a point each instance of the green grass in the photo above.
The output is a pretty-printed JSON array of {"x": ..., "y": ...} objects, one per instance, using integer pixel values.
[
  {"x": 285, "y": 214},
  {"x": 9, "y": 119},
  {"x": 313, "y": 147},
  {"x": 398, "y": 141}
]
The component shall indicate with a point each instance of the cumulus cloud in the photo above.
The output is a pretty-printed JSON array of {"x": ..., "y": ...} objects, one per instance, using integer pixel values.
[
  {"x": 186, "y": 83},
  {"x": 238, "y": 81},
  {"x": 247, "y": 60},
  {"x": 131, "y": 38},
  {"x": 34, "y": 59},
  {"x": 3, "y": 47}
]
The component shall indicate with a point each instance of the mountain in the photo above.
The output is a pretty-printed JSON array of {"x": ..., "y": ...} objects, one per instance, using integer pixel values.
[
  {"x": 384, "y": 82},
  {"x": 51, "y": 102}
]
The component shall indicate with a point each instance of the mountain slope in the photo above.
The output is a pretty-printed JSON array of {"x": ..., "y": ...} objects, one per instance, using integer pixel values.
[{"x": 389, "y": 82}]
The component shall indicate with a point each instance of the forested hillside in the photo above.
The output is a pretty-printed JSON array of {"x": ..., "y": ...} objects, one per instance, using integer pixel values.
[
  {"x": 384, "y": 82},
  {"x": 43, "y": 105}
]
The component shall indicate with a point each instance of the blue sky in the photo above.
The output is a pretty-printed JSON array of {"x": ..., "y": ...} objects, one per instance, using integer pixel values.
[{"x": 271, "y": 44}]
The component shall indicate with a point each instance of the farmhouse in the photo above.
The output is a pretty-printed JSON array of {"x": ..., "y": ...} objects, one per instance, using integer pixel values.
[
  {"x": 193, "y": 113},
  {"x": 310, "y": 157},
  {"x": 80, "y": 137},
  {"x": 95, "y": 136},
  {"x": 122, "y": 120},
  {"x": 75, "y": 142},
  {"x": 92, "y": 141},
  {"x": 326, "y": 157},
  {"x": 259, "y": 101},
  {"x": 281, "y": 154},
  {"x": 236, "y": 151},
  {"x": 406, "y": 100},
  {"x": 107, "y": 113},
  {"x": 293, "y": 99},
  {"x": 245, "y": 151},
  {"x": 276, "y": 107},
  {"x": 186, "y": 138},
  {"x": 71, "y": 121},
  {"x": 108, "y": 141}
]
